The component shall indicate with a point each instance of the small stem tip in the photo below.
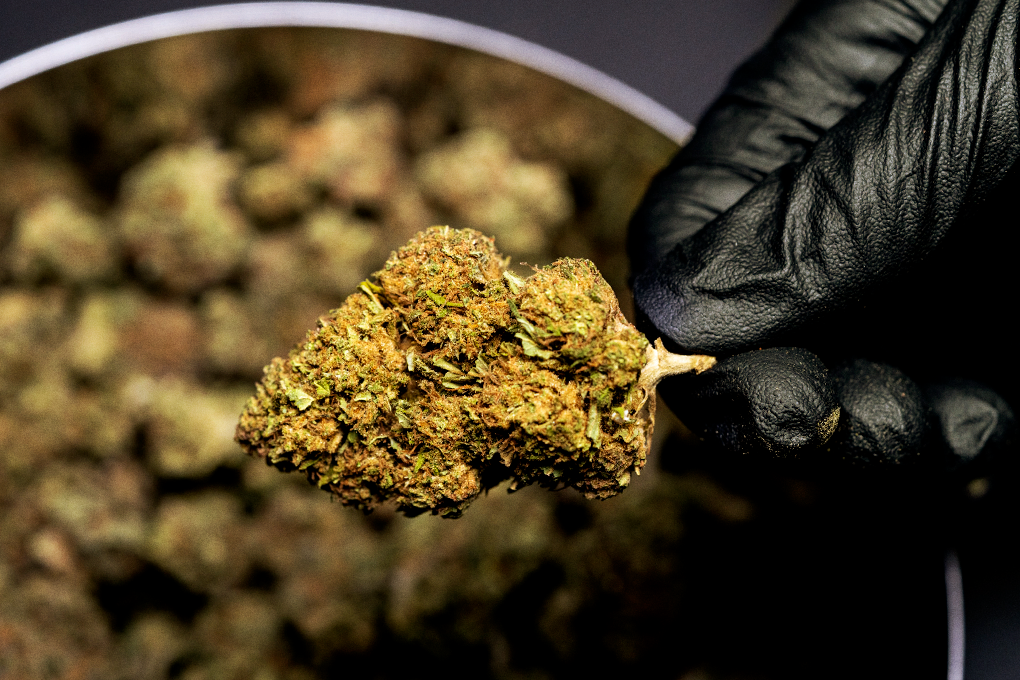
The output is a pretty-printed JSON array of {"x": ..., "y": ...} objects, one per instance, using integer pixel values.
[{"x": 661, "y": 363}]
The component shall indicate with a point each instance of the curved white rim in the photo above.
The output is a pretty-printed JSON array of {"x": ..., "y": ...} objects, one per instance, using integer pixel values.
[
  {"x": 344, "y": 15},
  {"x": 954, "y": 608}
]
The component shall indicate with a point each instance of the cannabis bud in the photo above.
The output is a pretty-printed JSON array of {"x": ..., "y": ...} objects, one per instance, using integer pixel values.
[{"x": 447, "y": 373}]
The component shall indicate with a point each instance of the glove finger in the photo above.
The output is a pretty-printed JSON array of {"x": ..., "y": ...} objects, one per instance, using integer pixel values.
[
  {"x": 875, "y": 195},
  {"x": 976, "y": 424},
  {"x": 821, "y": 64},
  {"x": 885, "y": 419},
  {"x": 771, "y": 402}
]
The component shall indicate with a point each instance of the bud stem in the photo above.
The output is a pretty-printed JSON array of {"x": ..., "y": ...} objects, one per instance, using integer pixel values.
[{"x": 661, "y": 363}]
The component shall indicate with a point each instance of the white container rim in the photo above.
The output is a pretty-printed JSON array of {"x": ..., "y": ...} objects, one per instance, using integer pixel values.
[{"x": 354, "y": 16}]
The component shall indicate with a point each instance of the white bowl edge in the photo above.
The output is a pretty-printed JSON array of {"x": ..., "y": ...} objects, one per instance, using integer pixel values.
[{"x": 355, "y": 16}]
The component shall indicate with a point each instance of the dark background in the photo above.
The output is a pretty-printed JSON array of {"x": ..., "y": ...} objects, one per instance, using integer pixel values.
[{"x": 679, "y": 52}]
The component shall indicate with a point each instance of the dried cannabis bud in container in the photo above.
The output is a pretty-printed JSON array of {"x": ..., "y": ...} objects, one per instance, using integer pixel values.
[{"x": 448, "y": 373}]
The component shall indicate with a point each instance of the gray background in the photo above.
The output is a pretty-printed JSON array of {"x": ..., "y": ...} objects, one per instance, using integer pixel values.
[{"x": 679, "y": 52}]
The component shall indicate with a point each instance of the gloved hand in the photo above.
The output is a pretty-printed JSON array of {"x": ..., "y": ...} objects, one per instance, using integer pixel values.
[{"x": 853, "y": 192}]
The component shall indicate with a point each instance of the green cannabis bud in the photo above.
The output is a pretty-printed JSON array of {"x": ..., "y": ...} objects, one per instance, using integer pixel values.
[{"x": 447, "y": 373}]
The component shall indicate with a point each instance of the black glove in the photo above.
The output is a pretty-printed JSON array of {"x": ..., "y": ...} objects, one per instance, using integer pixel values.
[{"x": 851, "y": 192}]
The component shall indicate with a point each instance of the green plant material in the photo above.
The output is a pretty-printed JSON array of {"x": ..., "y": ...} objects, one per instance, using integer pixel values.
[
  {"x": 447, "y": 374},
  {"x": 189, "y": 429},
  {"x": 194, "y": 538},
  {"x": 178, "y": 220},
  {"x": 478, "y": 177},
  {"x": 57, "y": 237}
]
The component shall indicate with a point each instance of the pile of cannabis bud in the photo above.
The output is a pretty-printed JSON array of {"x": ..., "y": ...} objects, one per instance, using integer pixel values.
[{"x": 447, "y": 373}]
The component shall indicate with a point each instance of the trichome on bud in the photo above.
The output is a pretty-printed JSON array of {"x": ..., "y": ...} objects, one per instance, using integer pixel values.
[{"x": 446, "y": 373}]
